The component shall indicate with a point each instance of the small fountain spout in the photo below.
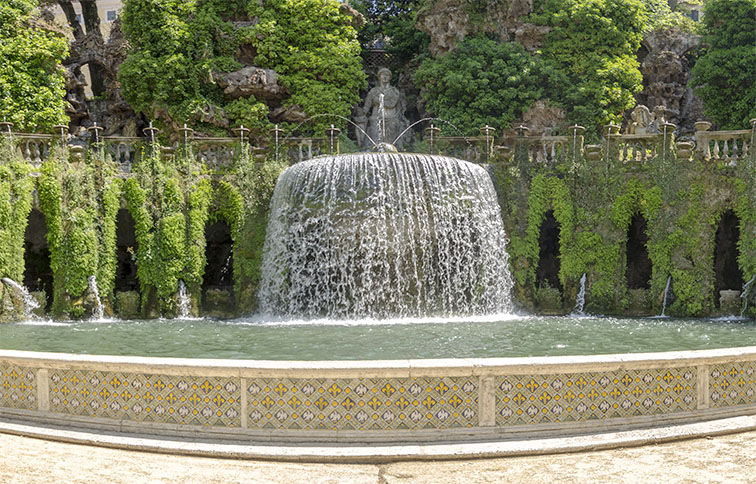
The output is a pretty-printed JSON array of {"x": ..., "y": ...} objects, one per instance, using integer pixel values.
[
  {"x": 580, "y": 299},
  {"x": 30, "y": 304},
  {"x": 184, "y": 303},
  {"x": 745, "y": 293},
  {"x": 664, "y": 301},
  {"x": 98, "y": 311}
]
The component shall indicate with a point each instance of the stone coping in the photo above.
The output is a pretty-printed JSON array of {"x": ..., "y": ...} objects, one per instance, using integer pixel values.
[{"x": 380, "y": 402}]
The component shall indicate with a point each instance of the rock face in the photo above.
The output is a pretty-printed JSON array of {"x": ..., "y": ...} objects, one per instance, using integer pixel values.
[
  {"x": 251, "y": 81},
  {"x": 543, "y": 119},
  {"x": 449, "y": 22},
  {"x": 666, "y": 72}
]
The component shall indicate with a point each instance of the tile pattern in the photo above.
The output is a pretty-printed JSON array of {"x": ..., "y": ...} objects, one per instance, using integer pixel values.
[
  {"x": 147, "y": 398},
  {"x": 732, "y": 384},
  {"x": 18, "y": 387},
  {"x": 576, "y": 397},
  {"x": 363, "y": 403}
]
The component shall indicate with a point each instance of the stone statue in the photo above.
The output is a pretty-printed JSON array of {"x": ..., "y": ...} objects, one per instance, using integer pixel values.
[
  {"x": 643, "y": 121},
  {"x": 385, "y": 126},
  {"x": 640, "y": 120}
]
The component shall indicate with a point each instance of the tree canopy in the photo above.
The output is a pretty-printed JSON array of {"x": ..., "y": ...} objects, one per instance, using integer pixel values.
[
  {"x": 32, "y": 83},
  {"x": 725, "y": 76}
]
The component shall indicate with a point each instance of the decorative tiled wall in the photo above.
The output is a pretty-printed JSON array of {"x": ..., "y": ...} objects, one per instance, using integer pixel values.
[
  {"x": 149, "y": 398},
  {"x": 732, "y": 384},
  {"x": 363, "y": 404},
  {"x": 576, "y": 397},
  {"x": 352, "y": 403},
  {"x": 18, "y": 387}
]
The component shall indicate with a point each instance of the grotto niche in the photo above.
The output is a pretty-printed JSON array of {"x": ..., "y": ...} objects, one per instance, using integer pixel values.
[
  {"x": 638, "y": 264},
  {"x": 218, "y": 278},
  {"x": 38, "y": 274},
  {"x": 547, "y": 273},
  {"x": 727, "y": 274}
]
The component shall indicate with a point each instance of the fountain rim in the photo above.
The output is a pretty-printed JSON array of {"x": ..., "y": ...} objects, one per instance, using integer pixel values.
[{"x": 489, "y": 438}]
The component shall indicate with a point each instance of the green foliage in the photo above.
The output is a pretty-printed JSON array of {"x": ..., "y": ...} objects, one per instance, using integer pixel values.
[
  {"x": 80, "y": 202},
  {"x": 594, "y": 43},
  {"x": 169, "y": 201},
  {"x": 661, "y": 16},
  {"x": 177, "y": 46},
  {"x": 390, "y": 24},
  {"x": 314, "y": 49},
  {"x": 16, "y": 188},
  {"x": 32, "y": 87},
  {"x": 724, "y": 76},
  {"x": 484, "y": 82},
  {"x": 244, "y": 202}
]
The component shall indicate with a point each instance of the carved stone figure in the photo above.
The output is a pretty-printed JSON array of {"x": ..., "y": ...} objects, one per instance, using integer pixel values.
[
  {"x": 387, "y": 124},
  {"x": 640, "y": 120}
]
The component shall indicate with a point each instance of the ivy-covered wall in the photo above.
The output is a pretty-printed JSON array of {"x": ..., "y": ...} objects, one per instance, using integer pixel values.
[
  {"x": 593, "y": 202},
  {"x": 172, "y": 197}
]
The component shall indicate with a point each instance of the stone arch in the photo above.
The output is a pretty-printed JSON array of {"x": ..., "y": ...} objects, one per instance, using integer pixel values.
[
  {"x": 38, "y": 274},
  {"x": 728, "y": 275}
]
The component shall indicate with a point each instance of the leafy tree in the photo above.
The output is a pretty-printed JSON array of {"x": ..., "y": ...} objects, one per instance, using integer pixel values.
[
  {"x": 391, "y": 24},
  {"x": 177, "y": 46},
  {"x": 594, "y": 42},
  {"x": 485, "y": 82},
  {"x": 32, "y": 86},
  {"x": 724, "y": 76}
]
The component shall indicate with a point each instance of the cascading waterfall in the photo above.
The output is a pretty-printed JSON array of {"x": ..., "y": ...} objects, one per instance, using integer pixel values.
[
  {"x": 98, "y": 311},
  {"x": 30, "y": 304},
  {"x": 580, "y": 299},
  {"x": 184, "y": 303},
  {"x": 385, "y": 235}
]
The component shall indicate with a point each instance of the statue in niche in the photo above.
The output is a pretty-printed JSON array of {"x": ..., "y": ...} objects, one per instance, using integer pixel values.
[{"x": 386, "y": 126}]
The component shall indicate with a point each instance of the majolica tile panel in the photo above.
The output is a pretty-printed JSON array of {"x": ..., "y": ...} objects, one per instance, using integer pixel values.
[
  {"x": 732, "y": 384},
  {"x": 147, "y": 398},
  {"x": 577, "y": 397},
  {"x": 363, "y": 403},
  {"x": 18, "y": 387}
]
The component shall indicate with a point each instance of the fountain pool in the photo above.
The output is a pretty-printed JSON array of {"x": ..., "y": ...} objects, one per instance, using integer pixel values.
[{"x": 483, "y": 337}]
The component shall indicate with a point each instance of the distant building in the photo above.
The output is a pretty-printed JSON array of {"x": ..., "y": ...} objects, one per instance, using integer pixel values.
[{"x": 109, "y": 11}]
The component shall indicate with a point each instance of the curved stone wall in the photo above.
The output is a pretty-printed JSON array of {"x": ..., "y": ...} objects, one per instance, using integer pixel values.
[{"x": 376, "y": 401}]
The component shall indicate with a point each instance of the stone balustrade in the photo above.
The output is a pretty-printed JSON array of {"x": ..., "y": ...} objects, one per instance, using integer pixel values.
[{"x": 725, "y": 147}]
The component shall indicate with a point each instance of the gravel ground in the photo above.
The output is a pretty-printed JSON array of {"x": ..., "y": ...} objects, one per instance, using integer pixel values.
[{"x": 730, "y": 459}]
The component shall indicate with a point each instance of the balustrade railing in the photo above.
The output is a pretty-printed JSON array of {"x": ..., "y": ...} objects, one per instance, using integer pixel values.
[
  {"x": 719, "y": 146},
  {"x": 724, "y": 146}
]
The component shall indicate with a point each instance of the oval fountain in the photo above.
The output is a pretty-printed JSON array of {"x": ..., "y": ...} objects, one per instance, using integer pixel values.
[{"x": 377, "y": 236}]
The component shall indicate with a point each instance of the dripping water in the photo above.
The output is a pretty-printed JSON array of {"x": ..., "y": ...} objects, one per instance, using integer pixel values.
[
  {"x": 98, "y": 311},
  {"x": 184, "y": 302},
  {"x": 580, "y": 299},
  {"x": 30, "y": 304}
]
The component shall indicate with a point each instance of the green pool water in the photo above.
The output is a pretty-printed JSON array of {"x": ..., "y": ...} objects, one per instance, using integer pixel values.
[{"x": 258, "y": 339}]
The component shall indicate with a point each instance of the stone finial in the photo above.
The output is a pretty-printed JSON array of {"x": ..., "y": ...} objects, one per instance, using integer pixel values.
[
  {"x": 522, "y": 130},
  {"x": 702, "y": 125}
]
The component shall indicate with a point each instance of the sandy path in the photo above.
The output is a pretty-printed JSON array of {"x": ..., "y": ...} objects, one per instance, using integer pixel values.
[{"x": 728, "y": 459}]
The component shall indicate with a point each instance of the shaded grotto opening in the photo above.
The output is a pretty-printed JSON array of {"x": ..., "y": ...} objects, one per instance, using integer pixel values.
[
  {"x": 549, "y": 263},
  {"x": 638, "y": 264},
  {"x": 126, "y": 248},
  {"x": 727, "y": 273},
  {"x": 38, "y": 275},
  {"x": 219, "y": 268}
]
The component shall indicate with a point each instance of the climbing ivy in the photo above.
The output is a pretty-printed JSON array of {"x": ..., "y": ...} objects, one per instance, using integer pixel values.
[
  {"x": 169, "y": 198},
  {"x": 16, "y": 192},
  {"x": 80, "y": 201}
]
